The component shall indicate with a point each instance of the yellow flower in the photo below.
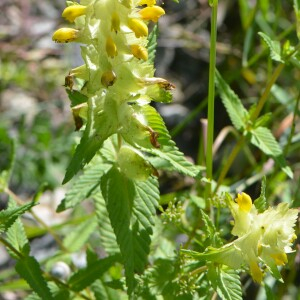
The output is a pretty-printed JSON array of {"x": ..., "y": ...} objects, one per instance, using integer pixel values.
[
  {"x": 139, "y": 28},
  {"x": 139, "y": 52},
  {"x": 111, "y": 48},
  {"x": 72, "y": 12},
  {"x": 244, "y": 201},
  {"x": 65, "y": 35},
  {"x": 151, "y": 13},
  {"x": 115, "y": 22}
]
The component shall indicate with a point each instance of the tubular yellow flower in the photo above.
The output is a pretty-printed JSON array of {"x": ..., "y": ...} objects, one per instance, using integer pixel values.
[
  {"x": 147, "y": 2},
  {"x": 139, "y": 28},
  {"x": 65, "y": 35},
  {"x": 115, "y": 22},
  {"x": 111, "y": 48},
  {"x": 72, "y": 12},
  {"x": 151, "y": 13},
  {"x": 139, "y": 52},
  {"x": 244, "y": 201},
  {"x": 280, "y": 258}
]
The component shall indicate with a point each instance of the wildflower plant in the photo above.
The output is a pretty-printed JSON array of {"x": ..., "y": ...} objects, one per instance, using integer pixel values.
[{"x": 190, "y": 244}]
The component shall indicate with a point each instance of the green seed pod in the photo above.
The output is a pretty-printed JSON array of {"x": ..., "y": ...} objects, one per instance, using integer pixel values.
[
  {"x": 133, "y": 165},
  {"x": 108, "y": 78}
]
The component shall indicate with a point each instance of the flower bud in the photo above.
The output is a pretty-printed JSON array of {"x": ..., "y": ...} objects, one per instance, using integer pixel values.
[
  {"x": 139, "y": 52},
  {"x": 111, "y": 48},
  {"x": 72, "y": 12},
  {"x": 108, "y": 78},
  {"x": 151, "y": 13},
  {"x": 115, "y": 22},
  {"x": 139, "y": 28},
  {"x": 133, "y": 165},
  {"x": 65, "y": 35}
]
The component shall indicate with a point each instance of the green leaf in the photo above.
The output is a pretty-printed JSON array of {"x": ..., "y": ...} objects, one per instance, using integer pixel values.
[
  {"x": 85, "y": 277},
  {"x": 152, "y": 43},
  {"x": 107, "y": 235},
  {"x": 235, "y": 109},
  {"x": 10, "y": 215},
  {"x": 100, "y": 125},
  {"x": 274, "y": 47},
  {"x": 16, "y": 236},
  {"x": 261, "y": 202},
  {"x": 76, "y": 97},
  {"x": 85, "y": 185},
  {"x": 226, "y": 282},
  {"x": 263, "y": 138},
  {"x": 7, "y": 155},
  {"x": 131, "y": 207},
  {"x": 29, "y": 269},
  {"x": 78, "y": 237},
  {"x": 103, "y": 292},
  {"x": 168, "y": 150}
]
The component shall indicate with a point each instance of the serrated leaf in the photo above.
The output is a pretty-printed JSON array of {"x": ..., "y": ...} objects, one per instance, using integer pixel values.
[
  {"x": 234, "y": 107},
  {"x": 226, "y": 282},
  {"x": 168, "y": 150},
  {"x": 78, "y": 237},
  {"x": 85, "y": 277},
  {"x": 131, "y": 207},
  {"x": 152, "y": 43},
  {"x": 16, "y": 236},
  {"x": 261, "y": 202},
  {"x": 274, "y": 47},
  {"x": 29, "y": 269},
  {"x": 99, "y": 127},
  {"x": 211, "y": 230},
  {"x": 85, "y": 185},
  {"x": 10, "y": 215},
  {"x": 263, "y": 138},
  {"x": 107, "y": 235},
  {"x": 7, "y": 156}
]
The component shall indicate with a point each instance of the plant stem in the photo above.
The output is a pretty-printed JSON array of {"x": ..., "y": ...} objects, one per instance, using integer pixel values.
[
  {"x": 211, "y": 95},
  {"x": 11, "y": 248}
]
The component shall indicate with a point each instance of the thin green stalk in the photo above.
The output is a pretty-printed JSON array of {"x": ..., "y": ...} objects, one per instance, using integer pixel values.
[
  {"x": 11, "y": 248},
  {"x": 211, "y": 94}
]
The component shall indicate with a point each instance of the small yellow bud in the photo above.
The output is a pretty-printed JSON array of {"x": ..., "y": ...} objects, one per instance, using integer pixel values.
[
  {"x": 72, "y": 12},
  {"x": 115, "y": 22},
  {"x": 139, "y": 28},
  {"x": 111, "y": 48},
  {"x": 280, "y": 258},
  {"x": 244, "y": 201},
  {"x": 108, "y": 78},
  {"x": 151, "y": 13},
  {"x": 65, "y": 35},
  {"x": 139, "y": 52},
  {"x": 147, "y": 2}
]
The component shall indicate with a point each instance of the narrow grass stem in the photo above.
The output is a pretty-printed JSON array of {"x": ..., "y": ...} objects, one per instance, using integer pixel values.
[{"x": 211, "y": 95}]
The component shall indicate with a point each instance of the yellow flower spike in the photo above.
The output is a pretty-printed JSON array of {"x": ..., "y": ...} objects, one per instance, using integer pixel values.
[
  {"x": 65, "y": 35},
  {"x": 280, "y": 258},
  {"x": 72, "y": 12},
  {"x": 151, "y": 13},
  {"x": 244, "y": 201},
  {"x": 256, "y": 272},
  {"x": 147, "y": 2},
  {"x": 139, "y": 28},
  {"x": 139, "y": 52},
  {"x": 108, "y": 78},
  {"x": 115, "y": 22},
  {"x": 111, "y": 48}
]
